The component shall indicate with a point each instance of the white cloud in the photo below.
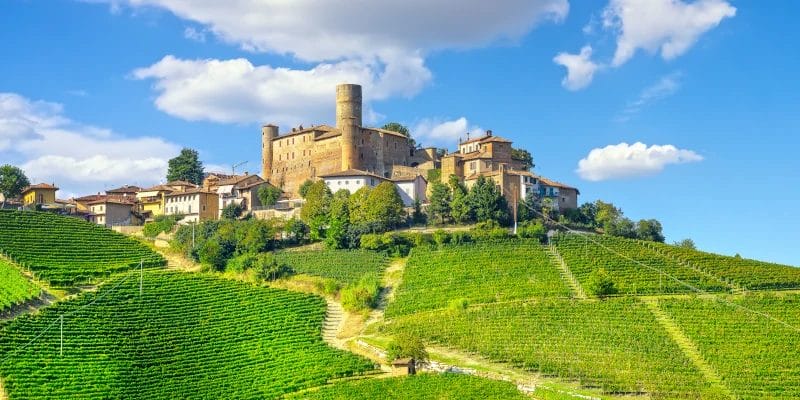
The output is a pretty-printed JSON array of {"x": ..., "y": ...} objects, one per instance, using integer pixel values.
[
  {"x": 79, "y": 158},
  {"x": 436, "y": 131},
  {"x": 580, "y": 68},
  {"x": 670, "y": 27},
  {"x": 665, "y": 87},
  {"x": 625, "y": 161},
  {"x": 236, "y": 91},
  {"x": 193, "y": 34}
]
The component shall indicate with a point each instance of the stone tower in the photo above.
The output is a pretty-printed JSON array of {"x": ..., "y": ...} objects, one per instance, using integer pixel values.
[
  {"x": 348, "y": 121},
  {"x": 268, "y": 134}
]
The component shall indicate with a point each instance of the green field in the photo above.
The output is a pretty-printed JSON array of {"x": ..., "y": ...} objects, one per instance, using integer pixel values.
[
  {"x": 616, "y": 345},
  {"x": 420, "y": 387},
  {"x": 187, "y": 336},
  {"x": 65, "y": 251},
  {"x": 757, "y": 357},
  {"x": 344, "y": 266},
  {"x": 14, "y": 287},
  {"x": 477, "y": 273}
]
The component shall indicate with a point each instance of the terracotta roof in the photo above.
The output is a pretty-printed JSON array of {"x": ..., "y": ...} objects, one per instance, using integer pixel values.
[
  {"x": 320, "y": 128},
  {"x": 180, "y": 183},
  {"x": 233, "y": 180},
  {"x": 486, "y": 138},
  {"x": 258, "y": 183},
  {"x": 39, "y": 186},
  {"x": 190, "y": 191},
  {"x": 125, "y": 189},
  {"x": 550, "y": 182},
  {"x": 158, "y": 188},
  {"x": 127, "y": 202},
  {"x": 475, "y": 155},
  {"x": 91, "y": 197},
  {"x": 351, "y": 172}
]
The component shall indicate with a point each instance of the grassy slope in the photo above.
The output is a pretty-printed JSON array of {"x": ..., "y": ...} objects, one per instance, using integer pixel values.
[{"x": 14, "y": 287}]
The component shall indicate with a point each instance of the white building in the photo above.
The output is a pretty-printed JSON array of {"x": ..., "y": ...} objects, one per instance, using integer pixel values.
[
  {"x": 352, "y": 180},
  {"x": 195, "y": 205},
  {"x": 412, "y": 189}
]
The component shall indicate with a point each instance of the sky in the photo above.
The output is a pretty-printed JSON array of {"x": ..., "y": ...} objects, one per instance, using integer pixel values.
[{"x": 683, "y": 111}]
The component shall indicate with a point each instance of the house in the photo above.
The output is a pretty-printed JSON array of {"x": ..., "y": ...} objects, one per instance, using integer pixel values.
[
  {"x": 238, "y": 189},
  {"x": 151, "y": 200},
  {"x": 127, "y": 191},
  {"x": 113, "y": 211},
  {"x": 83, "y": 205},
  {"x": 196, "y": 204},
  {"x": 352, "y": 180},
  {"x": 412, "y": 189},
  {"x": 564, "y": 197},
  {"x": 39, "y": 194}
]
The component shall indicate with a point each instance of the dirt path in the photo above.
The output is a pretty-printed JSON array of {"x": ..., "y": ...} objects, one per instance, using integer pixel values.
[
  {"x": 391, "y": 279},
  {"x": 3, "y": 395},
  {"x": 688, "y": 347},
  {"x": 179, "y": 261},
  {"x": 566, "y": 273}
]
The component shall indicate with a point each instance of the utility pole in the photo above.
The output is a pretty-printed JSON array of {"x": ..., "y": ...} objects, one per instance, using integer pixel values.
[{"x": 234, "y": 166}]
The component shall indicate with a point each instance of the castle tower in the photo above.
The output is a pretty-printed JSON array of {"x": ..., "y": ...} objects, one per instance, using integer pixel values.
[
  {"x": 348, "y": 121},
  {"x": 268, "y": 134}
]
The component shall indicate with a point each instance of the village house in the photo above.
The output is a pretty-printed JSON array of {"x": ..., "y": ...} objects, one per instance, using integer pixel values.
[
  {"x": 412, "y": 189},
  {"x": 352, "y": 180},
  {"x": 127, "y": 191},
  {"x": 151, "y": 202},
  {"x": 113, "y": 211},
  {"x": 195, "y": 204},
  {"x": 236, "y": 189},
  {"x": 39, "y": 194},
  {"x": 563, "y": 197}
]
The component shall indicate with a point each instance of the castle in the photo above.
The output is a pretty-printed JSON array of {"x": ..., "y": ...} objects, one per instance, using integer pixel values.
[{"x": 351, "y": 153}]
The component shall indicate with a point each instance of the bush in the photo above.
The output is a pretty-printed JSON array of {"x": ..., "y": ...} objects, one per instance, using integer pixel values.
[
  {"x": 601, "y": 284},
  {"x": 269, "y": 269},
  {"x": 405, "y": 345},
  {"x": 489, "y": 230},
  {"x": 241, "y": 263},
  {"x": 458, "y": 304},
  {"x": 363, "y": 295},
  {"x": 533, "y": 230},
  {"x": 212, "y": 254},
  {"x": 162, "y": 223},
  {"x": 232, "y": 211}
]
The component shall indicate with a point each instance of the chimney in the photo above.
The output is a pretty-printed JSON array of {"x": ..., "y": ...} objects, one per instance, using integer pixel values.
[{"x": 489, "y": 132}]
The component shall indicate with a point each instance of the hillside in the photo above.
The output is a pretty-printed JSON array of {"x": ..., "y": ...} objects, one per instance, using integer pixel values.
[
  {"x": 65, "y": 251},
  {"x": 186, "y": 336},
  {"x": 15, "y": 288}
]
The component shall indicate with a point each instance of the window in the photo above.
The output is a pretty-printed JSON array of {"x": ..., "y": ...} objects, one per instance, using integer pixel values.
[{"x": 346, "y": 182}]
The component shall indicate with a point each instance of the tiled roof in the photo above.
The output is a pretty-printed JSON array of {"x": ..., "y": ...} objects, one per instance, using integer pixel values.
[
  {"x": 125, "y": 189},
  {"x": 550, "y": 182},
  {"x": 190, "y": 191},
  {"x": 486, "y": 138},
  {"x": 39, "y": 186},
  {"x": 351, "y": 172},
  {"x": 180, "y": 183}
]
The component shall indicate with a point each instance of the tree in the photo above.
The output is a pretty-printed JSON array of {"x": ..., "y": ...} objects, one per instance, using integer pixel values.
[
  {"x": 606, "y": 214},
  {"x": 385, "y": 206},
  {"x": 296, "y": 230},
  {"x": 588, "y": 214},
  {"x": 650, "y": 229},
  {"x": 418, "y": 217},
  {"x": 405, "y": 345},
  {"x": 686, "y": 244},
  {"x": 269, "y": 195},
  {"x": 622, "y": 227},
  {"x": 523, "y": 156},
  {"x": 601, "y": 284},
  {"x": 434, "y": 175},
  {"x": 530, "y": 206},
  {"x": 232, "y": 211},
  {"x": 315, "y": 210},
  {"x": 358, "y": 205},
  {"x": 460, "y": 208},
  {"x": 338, "y": 220},
  {"x": 439, "y": 200},
  {"x": 186, "y": 167},
  {"x": 401, "y": 129},
  {"x": 487, "y": 202},
  {"x": 12, "y": 182},
  {"x": 303, "y": 190}
]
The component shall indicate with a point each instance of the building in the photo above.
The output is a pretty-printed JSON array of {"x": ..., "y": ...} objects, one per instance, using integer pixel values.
[
  {"x": 113, "y": 211},
  {"x": 195, "y": 204},
  {"x": 563, "y": 196},
  {"x": 238, "y": 189},
  {"x": 290, "y": 159},
  {"x": 127, "y": 191},
  {"x": 352, "y": 180},
  {"x": 151, "y": 201},
  {"x": 39, "y": 194},
  {"x": 412, "y": 189}
]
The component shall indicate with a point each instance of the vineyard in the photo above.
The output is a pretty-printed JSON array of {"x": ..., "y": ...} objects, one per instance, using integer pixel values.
[
  {"x": 344, "y": 266},
  {"x": 15, "y": 288},
  {"x": 186, "y": 336},
  {"x": 476, "y": 273},
  {"x": 750, "y": 274},
  {"x": 615, "y": 345},
  {"x": 65, "y": 251},
  {"x": 757, "y": 357},
  {"x": 633, "y": 267},
  {"x": 420, "y": 387}
]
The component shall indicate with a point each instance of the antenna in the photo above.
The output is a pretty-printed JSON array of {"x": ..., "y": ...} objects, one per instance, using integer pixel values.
[{"x": 234, "y": 166}]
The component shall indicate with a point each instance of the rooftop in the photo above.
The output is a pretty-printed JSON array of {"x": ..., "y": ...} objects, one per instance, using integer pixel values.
[
  {"x": 125, "y": 189},
  {"x": 351, "y": 172},
  {"x": 39, "y": 186}
]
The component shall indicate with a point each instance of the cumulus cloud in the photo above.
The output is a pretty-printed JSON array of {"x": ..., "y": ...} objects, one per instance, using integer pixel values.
[
  {"x": 580, "y": 68},
  {"x": 53, "y": 148},
  {"x": 437, "y": 131},
  {"x": 194, "y": 34},
  {"x": 665, "y": 87},
  {"x": 669, "y": 27},
  {"x": 625, "y": 161}
]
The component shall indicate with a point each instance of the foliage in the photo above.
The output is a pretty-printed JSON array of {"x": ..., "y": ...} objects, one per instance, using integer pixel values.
[
  {"x": 358, "y": 206},
  {"x": 268, "y": 195},
  {"x": 600, "y": 283},
  {"x": 12, "y": 182},
  {"x": 363, "y": 295},
  {"x": 218, "y": 241},
  {"x": 305, "y": 187},
  {"x": 460, "y": 208},
  {"x": 407, "y": 346},
  {"x": 65, "y": 251},
  {"x": 232, "y": 211},
  {"x": 418, "y": 217},
  {"x": 434, "y": 175},
  {"x": 315, "y": 210},
  {"x": 523, "y": 156},
  {"x": 401, "y": 129},
  {"x": 384, "y": 206},
  {"x": 439, "y": 207},
  {"x": 478, "y": 273},
  {"x": 650, "y": 229},
  {"x": 296, "y": 231},
  {"x": 161, "y": 224},
  {"x": 686, "y": 244},
  {"x": 219, "y": 339},
  {"x": 487, "y": 202},
  {"x": 15, "y": 288},
  {"x": 213, "y": 254},
  {"x": 186, "y": 167},
  {"x": 533, "y": 230},
  {"x": 343, "y": 266},
  {"x": 390, "y": 243},
  {"x": 270, "y": 268},
  {"x": 489, "y": 230}
]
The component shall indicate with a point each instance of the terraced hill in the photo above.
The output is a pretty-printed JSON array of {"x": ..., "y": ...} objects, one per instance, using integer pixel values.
[
  {"x": 343, "y": 266},
  {"x": 186, "y": 336},
  {"x": 14, "y": 287},
  {"x": 65, "y": 251}
]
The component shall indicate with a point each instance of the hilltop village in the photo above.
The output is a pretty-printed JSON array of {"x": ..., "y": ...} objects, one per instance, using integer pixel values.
[{"x": 347, "y": 156}]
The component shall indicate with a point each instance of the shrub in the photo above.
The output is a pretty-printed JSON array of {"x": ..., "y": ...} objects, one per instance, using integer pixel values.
[
  {"x": 211, "y": 253},
  {"x": 600, "y": 283},
  {"x": 162, "y": 223},
  {"x": 232, "y": 211},
  {"x": 269, "y": 269},
  {"x": 241, "y": 263},
  {"x": 533, "y": 230},
  {"x": 459, "y": 304},
  {"x": 363, "y": 295}
]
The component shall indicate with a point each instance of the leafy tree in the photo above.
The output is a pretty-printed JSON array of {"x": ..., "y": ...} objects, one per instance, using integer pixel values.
[
  {"x": 269, "y": 195},
  {"x": 232, "y": 211},
  {"x": 533, "y": 230},
  {"x": 401, "y": 129},
  {"x": 622, "y": 227},
  {"x": 601, "y": 284},
  {"x": 385, "y": 206},
  {"x": 686, "y": 244},
  {"x": 256, "y": 236},
  {"x": 363, "y": 295},
  {"x": 418, "y": 217},
  {"x": 405, "y": 345},
  {"x": 186, "y": 167},
  {"x": 530, "y": 206},
  {"x": 303, "y": 190},
  {"x": 358, "y": 206},
  {"x": 650, "y": 229},
  {"x": 12, "y": 182},
  {"x": 340, "y": 206},
  {"x": 460, "y": 208},
  {"x": 434, "y": 175},
  {"x": 439, "y": 207},
  {"x": 487, "y": 202},
  {"x": 212, "y": 254},
  {"x": 606, "y": 214},
  {"x": 269, "y": 269},
  {"x": 296, "y": 230},
  {"x": 338, "y": 221},
  {"x": 315, "y": 210},
  {"x": 524, "y": 156}
]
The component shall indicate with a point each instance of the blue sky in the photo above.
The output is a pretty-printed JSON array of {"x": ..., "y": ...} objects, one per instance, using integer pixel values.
[{"x": 100, "y": 93}]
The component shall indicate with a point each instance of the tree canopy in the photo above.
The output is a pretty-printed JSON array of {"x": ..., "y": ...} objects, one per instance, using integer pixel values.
[
  {"x": 439, "y": 202},
  {"x": 186, "y": 167},
  {"x": 524, "y": 156},
  {"x": 385, "y": 207},
  {"x": 401, "y": 129},
  {"x": 268, "y": 195},
  {"x": 486, "y": 201},
  {"x": 12, "y": 181}
]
